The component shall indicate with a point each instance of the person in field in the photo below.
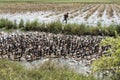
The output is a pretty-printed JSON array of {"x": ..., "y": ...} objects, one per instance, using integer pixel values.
[{"x": 65, "y": 17}]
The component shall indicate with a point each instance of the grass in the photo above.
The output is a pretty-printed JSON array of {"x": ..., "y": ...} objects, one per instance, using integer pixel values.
[
  {"x": 10, "y": 70},
  {"x": 51, "y": 1},
  {"x": 8, "y": 24},
  {"x": 58, "y": 27}
]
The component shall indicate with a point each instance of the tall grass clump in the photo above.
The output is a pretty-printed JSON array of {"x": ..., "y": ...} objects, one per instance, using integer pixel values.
[
  {"x": 96, "y": 30},
  {"x": 11, "y": 70},
  {"x": 111, "y": 29},
  {"x": 35, "y": 26},
  {"x": 68, "y": 29},
  {"x": 21, "y": 24},
  {"x": 7, "y": 24},
  {"x": 31, "y": 25},
  {"x": 2, "y": 23},
  {"x": 118, "y": 29},
  {"x": 75, "y": 29},
  {"x": 54, "y": 27}
]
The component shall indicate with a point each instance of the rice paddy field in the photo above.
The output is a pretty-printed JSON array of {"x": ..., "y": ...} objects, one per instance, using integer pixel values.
[
  {"x": 79, "y": 13},
  {"x": 46, "y": 17}
]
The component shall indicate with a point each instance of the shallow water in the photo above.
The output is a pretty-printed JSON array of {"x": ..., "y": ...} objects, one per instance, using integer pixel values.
[
  {"x": 41, "y": 17},
  {"x": 71, "y": 63}
]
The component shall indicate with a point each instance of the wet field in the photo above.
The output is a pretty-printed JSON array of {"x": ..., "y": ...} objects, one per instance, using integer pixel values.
[
  {"x": 32, "y": 49},
  {"x": 89, "y": 14}
]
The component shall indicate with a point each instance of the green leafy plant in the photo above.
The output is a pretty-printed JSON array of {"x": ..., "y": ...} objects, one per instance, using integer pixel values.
[
  {"x": 10, "y": 70},
  {"x": 111, "y": 60}
]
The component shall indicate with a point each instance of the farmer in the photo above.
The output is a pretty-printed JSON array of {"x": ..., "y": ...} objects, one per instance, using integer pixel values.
[{"x": 65, "y": 17}]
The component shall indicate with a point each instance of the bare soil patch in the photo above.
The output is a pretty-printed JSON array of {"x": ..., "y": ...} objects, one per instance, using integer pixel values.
[{"x": 25, "y": 7}]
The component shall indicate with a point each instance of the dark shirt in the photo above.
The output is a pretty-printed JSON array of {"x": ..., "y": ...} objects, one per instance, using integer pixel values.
[{"x": 65, "y": 16}]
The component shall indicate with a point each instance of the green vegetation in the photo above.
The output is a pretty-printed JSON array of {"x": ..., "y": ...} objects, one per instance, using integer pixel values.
[
  {"x": 10, "y": 70},
  {"x": 5, "y": 23},
  {"x": 111, "y": 60},
  {"x": 46, "y": 1},
  {"x": 58, "y": 27}
]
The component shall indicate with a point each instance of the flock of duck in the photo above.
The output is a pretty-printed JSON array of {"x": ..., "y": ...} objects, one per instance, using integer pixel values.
[{"x": 30, "y": 46}]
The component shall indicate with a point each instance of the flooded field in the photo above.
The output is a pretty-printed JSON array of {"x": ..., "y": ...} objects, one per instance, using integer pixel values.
[
  {"x": 59, "y": 39},
  {"x": 90, "y": 14},
  {"x": 77, "y": 66},
  {"x": 78, "y": 51}
]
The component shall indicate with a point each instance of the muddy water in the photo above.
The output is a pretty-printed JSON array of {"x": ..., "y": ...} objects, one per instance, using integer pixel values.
[
  {"x": 77, "y": 66},
  {"x": 53, "y": 12},
  {"x": 79, "y": 19}
]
